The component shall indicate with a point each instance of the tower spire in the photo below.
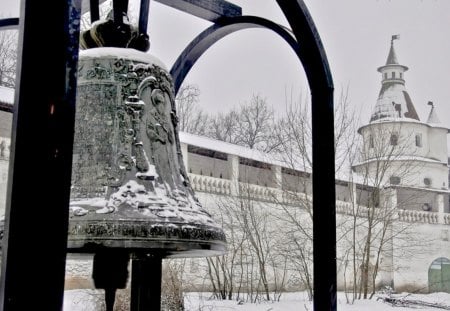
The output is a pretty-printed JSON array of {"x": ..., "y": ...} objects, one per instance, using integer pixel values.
[
  {"x": 392, "y": 56},
  {"x": 393, "y": 99}
]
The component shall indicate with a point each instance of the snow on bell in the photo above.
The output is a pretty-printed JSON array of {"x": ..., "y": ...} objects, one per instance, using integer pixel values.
[{"x": 130, "y": 189}]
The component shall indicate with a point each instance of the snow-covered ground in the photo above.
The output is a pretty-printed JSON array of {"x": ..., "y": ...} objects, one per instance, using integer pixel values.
[{"x": 76, "y": 300}]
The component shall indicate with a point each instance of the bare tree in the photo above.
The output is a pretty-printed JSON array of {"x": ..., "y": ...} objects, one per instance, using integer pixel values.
[
  {"x": 253, "y": 269},
  {"x": 172, "y": 284},
  {"x": 294, "y": 132},
  {"x": 8, "y": 57},
  {"x": 254, "y": 129},
  {"x": 251, "y": 125},
  {"x": 224, "y": 127},
  {"x": 191, "y": 117}
]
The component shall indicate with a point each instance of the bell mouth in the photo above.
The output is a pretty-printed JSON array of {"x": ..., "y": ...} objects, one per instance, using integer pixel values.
[
  {"x": 141, "y": 236},
  {"x": 168, "y": 230}
]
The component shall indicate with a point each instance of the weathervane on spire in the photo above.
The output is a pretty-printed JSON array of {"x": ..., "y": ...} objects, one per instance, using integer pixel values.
[{"x": 395, "y": 37}]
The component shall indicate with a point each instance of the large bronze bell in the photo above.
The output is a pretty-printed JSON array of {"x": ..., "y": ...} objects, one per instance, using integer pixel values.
[
  {"x": 130, "y": 195},
  {"x": 129, "y": 185}
]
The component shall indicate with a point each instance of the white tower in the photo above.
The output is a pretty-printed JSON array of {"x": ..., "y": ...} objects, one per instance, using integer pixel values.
[{"x": 399, "y": 149}]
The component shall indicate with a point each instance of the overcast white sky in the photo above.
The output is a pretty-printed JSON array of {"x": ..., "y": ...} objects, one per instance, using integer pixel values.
[{"x": 356, "y": 35}]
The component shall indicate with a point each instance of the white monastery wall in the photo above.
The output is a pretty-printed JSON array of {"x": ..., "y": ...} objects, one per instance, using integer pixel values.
[
  {"x": 437, "y": 141},
  {"x": 424, "y": 244}
]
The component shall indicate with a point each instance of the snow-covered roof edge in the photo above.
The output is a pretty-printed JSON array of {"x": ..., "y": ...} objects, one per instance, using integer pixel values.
[
  {"x": 253, "y": 154},
  {"x": 401, "y": 158},
  {"x": 229, "y": 148}
]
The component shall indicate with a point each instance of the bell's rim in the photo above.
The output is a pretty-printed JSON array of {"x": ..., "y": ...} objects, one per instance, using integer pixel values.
[{"x": 172, "y": 239}]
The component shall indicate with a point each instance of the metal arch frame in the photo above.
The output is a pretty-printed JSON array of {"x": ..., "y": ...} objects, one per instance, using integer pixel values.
[
  {"x": 308, "y": 47},
  {"x": 219, "y": 30},
  {"x": 9, "y": 23}
]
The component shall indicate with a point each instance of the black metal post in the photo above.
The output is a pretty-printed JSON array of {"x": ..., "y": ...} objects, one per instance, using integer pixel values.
[
  {"x": 315, "y": 62},
  {"x": 143, "y": 15},
  {"x": 146, "y": 274},
  {"x": 37, "y": 205},
  {"x": 95, "y": 10},
  {"x": 120, "y": 7}
]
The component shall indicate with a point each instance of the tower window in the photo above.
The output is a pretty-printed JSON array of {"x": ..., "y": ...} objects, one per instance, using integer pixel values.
[
  {"x": 418, "y": 140},
  {"x": 371, "y": 143},
  {"x": 394, "y": 180},
  {"x": 385, "y": 75},
  {"x": 401, "y": 75},
  {"x": 427, "y": 182},
  {"x": 394, "y": 139},
  {"x": 393, "y": 75}
]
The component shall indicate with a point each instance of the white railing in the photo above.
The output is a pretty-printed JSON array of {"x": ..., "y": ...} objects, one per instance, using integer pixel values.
[
  {"x": 447, "y": 219},
  {"x": 289, "y": 197},
  {"x": 348, "y": 208},
  {"x": 224, "y": 187},
  {"x": 260, "y": 193},
  {"x": 418, "y": 216},
  {"x": 210, "y": 184}
]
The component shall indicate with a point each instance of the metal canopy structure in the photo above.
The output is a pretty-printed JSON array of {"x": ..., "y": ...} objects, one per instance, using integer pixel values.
[{"x": 36, "y": 220}]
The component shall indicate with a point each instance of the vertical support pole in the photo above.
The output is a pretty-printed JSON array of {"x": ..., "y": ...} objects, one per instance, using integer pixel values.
[
  {"x": 278, "y": 182},
  {"x": 95, "y": 10},
  {"x": 233, "y": 172},
  {"x": 37, "y": 205},
  {"x": 143, "y": 16},
  {"x": 314, "y": 60},
  {"x": 440, "y": 206},
  {"x": 119, "y": 8},
  {"x": 146, "y": 283},
  {"x": 277, "y": 176}
]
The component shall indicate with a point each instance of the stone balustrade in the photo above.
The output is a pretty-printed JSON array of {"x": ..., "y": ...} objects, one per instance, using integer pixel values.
[
  {"x": 259, "y": 193},
  {"x": 447, "y": 219},
  {"x": 418, "y": 216},
  {"x": 348, "y": 208},
  {"x": 221, "y": 186},
  {"x": 210, "y": 184}
]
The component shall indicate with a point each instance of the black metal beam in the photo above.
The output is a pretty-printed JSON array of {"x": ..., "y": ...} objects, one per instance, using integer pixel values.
[
  {"x": 210, "y": 10},
  {"x": 143, "y": 16},
  {"x": 36, "y": 220},
  {"x": 9, "y": 23}
]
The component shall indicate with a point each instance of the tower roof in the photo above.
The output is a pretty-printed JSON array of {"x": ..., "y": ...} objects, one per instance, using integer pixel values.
[
  {"x": 432, "y": 117},
  {"x": 393, "y": 100}
]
